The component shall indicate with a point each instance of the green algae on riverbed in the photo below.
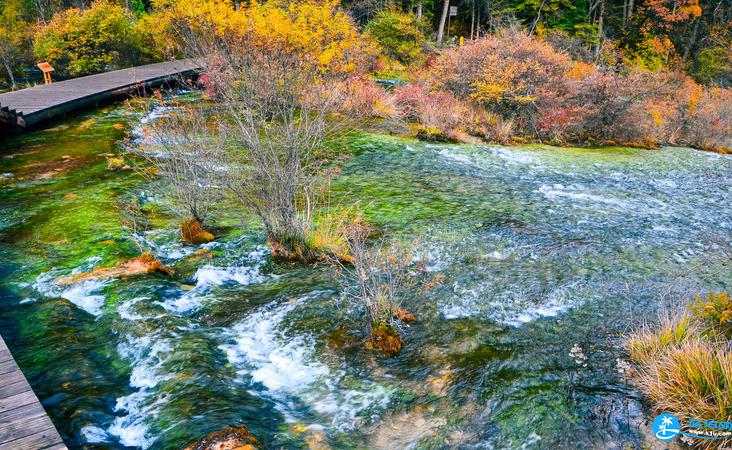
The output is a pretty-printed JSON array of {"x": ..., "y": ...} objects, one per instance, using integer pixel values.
[{"x": 541, "y": 248}]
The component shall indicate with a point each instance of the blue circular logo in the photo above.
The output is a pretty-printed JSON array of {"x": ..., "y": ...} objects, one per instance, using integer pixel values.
[{"x": 666, "y": 427}]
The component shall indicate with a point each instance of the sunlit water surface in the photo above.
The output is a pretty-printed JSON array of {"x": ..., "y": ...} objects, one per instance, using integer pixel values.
[{"x": 540, "y": 248}]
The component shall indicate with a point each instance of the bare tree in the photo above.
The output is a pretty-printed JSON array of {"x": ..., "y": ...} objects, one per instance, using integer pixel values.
[
  {"x": 180, "y": 156},
  {"x": 378, "y": 277},
  {"x": 276, "y": 110}
]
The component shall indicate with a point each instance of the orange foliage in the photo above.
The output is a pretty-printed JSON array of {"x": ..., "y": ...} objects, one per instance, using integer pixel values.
[
  {"x": 192, "y": 232},
  {"x": 510, "y": 70},
  {"x": 386, "y": 339}
]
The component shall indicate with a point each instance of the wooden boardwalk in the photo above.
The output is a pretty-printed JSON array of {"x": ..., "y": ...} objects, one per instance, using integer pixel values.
[
  {"x": 24, "y": 424},
  {"x": 30, "y": 106}
]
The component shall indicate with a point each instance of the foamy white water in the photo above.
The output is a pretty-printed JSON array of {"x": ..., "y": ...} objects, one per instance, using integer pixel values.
[{"x": 287, "y": 366}]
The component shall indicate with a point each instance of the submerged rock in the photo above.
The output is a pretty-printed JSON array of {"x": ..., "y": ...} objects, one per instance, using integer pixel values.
[
  {"x": 192, "y": 233},
  {"x": 229, "y": 439},
  {"x": 42, "y": 170},
  {"x": 407, "y": 430},
  {"x": 317, "y": 440},
  {"x": 143, "y": 264},
  {"x": 186, "y": 268},
  {"x": 618, "y": 419},
  {"x": 7, "y": 175}
]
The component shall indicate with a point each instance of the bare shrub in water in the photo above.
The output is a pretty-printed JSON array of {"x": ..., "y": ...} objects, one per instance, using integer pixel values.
[
  {"x": 274, "y": 107},
  {"x": 379, "y": 278},
  {"x": 179, "y": 156}
]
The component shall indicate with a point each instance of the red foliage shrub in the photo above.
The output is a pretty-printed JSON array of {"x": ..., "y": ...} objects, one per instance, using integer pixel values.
[
  {"x": 366, "y": 96},
  {"x": 509, "y": 73},
  {"x": 542, "y": 94}
]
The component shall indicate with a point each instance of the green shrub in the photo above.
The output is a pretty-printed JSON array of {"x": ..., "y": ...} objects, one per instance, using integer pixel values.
[
  {"x": 399, "y": 34},
  {"x": 103, "y": 37},
  {"x": 716, "y": 311}
]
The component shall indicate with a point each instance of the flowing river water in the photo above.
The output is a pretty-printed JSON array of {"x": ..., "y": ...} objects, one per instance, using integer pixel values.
[{"x": 540, "y": 249}]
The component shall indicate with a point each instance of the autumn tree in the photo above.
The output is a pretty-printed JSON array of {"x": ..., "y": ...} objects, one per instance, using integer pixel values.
[
  {"x": 275, "y": 72},
  {"x": 14, "y": 36},
  {"x": 399, "y": 35},
  {"x": 663, "y": 26},
  {"x": 100, "y": 38}
]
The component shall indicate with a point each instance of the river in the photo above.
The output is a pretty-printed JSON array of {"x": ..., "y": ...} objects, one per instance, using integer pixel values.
[{"x": 540, "y": 249}]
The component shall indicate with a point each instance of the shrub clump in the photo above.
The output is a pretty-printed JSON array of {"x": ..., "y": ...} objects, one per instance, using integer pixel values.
[
  {"x": 716, "y": 311},
  {"x": 548, "y": 97},
  {"x": 378, "y": 280},
  {"x": 104, "y": 37},
  {"x": 399, "y": 34}
]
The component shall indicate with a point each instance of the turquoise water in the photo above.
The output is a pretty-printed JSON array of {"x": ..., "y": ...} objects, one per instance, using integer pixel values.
[{"x": 540, "y": 248}]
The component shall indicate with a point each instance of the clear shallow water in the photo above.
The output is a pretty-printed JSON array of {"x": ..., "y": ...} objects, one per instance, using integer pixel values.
[{"x": 540, "y": 248}]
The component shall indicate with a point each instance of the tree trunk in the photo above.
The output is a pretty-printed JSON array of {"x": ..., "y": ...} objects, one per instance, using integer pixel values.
[
  {"x": 40, "y": 12},
  {"x": 443, "y": 19},
  {"x": 692, "y": 41},
  {"x": 472, "y": 18},
  {"x": 419, "y": 10},
  {"x": 600, "y": 20},
  {"x": 629, "y": 15},
  {"x": 10, "y": 74}
]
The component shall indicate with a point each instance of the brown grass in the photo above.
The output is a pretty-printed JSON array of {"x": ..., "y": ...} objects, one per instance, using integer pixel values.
[{"x": 686, "y": 370}]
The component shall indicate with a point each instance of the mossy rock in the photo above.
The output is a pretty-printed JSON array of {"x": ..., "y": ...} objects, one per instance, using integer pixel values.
[{"x": 434, "y": 135}]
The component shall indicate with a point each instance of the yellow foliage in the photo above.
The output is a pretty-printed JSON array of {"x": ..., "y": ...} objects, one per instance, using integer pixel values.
[
  {"x": 580, "y": 71},
  {"x": 98, "y": 38},
  {"x": 318, "y": 31}
]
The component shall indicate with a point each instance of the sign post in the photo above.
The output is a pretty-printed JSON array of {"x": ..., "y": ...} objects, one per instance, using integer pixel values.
[
  {"x": 453, "y": 13},
  {"x": 47, "y": 69}
]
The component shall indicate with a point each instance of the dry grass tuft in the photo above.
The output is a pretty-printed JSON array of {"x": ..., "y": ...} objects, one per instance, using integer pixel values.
[{"x": 684, "y": 369}]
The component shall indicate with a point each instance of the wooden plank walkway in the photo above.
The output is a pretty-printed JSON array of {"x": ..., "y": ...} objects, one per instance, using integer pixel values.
[
  {"x": 29, "y": 106},
  {"x": 24, "y": 424}
]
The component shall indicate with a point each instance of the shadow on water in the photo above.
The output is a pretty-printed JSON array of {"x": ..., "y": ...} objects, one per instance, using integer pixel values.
[{"x": 540, "y": 249}]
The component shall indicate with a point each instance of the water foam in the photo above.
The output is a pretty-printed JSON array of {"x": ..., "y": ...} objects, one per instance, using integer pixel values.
[
  {"x": 288, "y": 368},
  {"x": 575, "y": 192},
  {"x": 84, "y": 294},
  {"x": 210, "y": 276},
  {"x": 511, "y": 307},
  {"x": 512, "y": 157},
  {"x": 147, "y": 357}
]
